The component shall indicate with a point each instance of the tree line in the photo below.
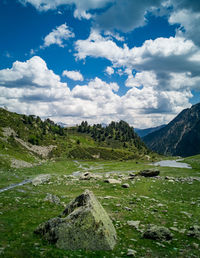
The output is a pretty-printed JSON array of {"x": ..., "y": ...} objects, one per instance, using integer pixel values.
[{"x": 120, "y": 131}]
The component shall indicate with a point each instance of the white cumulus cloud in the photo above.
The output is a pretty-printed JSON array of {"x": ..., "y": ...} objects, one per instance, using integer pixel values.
[
  {"x": 73, "y": 75},
  {"x": 126, "y": 15},
  {"x": 190, "y": 21},
  {"x": 29, "y": 87},
  {"x": 81, "y": 7},
  {"x": 161, "y": 73},
  {"x": 109, "y": 70},
  {"x": 163, "y": 56},
  {"x": 57, "y": 36}
]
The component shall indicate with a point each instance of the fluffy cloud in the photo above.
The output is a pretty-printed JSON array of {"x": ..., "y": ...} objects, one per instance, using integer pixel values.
[
  {"x": 29, "y": 74},
  {"x": 98, "y": 46},
  {"x": 30, "y": 87},
  {"x": 97, "y": 98},
  {"x": 161, "y": 73},
  {"x": 109, "y": 70},
  {"x": 57, "y": 36},
  {"x": 73, "y": 75},
  {"x": 164, "y": 56},
  {"x": 192, "y": 5},
  {"x": 81, "y": 7},
  {"x": 145, "y": 78},
  {"x": 190, "y": 21},
  {"x": 122, "y": 14},
  {"x": 126, "y": 15},
  {"x": 114, "y": 35}
]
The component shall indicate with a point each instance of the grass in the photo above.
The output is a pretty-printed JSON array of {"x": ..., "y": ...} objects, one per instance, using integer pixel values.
[{"x": 151, "y": 201}]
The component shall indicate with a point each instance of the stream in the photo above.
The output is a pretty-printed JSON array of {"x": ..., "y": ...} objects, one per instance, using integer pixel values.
[
  {"x": 162, "y": 163},
  {"x": 15, "y": 185}
]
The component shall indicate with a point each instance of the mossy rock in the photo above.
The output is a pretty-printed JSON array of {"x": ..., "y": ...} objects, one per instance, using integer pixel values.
[
  {"x": 157, "y": 233},
  {"x": 84, "y": 224}
]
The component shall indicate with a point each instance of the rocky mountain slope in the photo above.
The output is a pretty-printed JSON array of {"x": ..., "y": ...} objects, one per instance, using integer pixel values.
[{"x": 180, "y": 137}]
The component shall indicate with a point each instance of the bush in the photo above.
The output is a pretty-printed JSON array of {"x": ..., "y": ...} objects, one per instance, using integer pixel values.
[{"x": 33, "y": 139}]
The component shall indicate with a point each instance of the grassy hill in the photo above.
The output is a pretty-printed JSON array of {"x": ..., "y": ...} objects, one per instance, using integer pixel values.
[{"x": 29, "y": 139}]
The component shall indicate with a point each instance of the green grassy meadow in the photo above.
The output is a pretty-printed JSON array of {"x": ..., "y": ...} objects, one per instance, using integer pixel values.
[{"x": 148, "y": 200}]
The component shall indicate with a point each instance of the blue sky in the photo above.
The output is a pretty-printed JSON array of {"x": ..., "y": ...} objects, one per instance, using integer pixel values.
[{"x": 74, "y": 60}]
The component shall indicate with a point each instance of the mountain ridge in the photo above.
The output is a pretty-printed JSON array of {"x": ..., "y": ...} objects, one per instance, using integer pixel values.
[
  {"x": 180, "y": 137},
  {"x": 143, "y": 132}
]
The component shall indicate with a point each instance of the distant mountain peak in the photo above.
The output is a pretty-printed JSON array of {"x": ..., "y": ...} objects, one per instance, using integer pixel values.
[
  {"x": 180, "y": 137},
  {"x": 144, "y": 132}
]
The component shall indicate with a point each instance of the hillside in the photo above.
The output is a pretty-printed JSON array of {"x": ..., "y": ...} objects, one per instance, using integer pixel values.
[
  {"x": 180, "y": 137},
  {"x": 29, "y": 139}
]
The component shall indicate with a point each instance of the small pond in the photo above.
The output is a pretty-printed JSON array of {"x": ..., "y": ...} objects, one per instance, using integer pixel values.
[{"x": 172, "y": 163}]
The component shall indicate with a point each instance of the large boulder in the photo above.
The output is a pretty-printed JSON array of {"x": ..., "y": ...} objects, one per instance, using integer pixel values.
[
  {"x": 84, "y": 224},
  {"x": 149, "y": 173}
]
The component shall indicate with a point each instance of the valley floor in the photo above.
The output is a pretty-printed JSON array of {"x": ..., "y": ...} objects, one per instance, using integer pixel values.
[{"x": 171, "y": 200}]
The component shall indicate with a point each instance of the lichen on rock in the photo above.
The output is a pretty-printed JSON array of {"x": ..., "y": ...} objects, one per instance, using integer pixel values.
[
  {"x": 84, "y": 224},
  {"x": 41, "y": 179},
  {"x": 157, "y": 233},
  {"x": 52, "y": 198}
]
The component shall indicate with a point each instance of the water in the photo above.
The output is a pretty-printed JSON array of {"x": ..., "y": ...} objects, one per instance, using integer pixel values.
[
  {"x": 15, "y": 185},
  {"x": 172, "y": 163}
]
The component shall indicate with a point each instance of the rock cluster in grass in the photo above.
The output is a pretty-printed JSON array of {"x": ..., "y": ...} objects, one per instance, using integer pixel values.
[
  {"x": 157, "y": 233},
  {"x": 41, "y": 179},
  {"x": 84, "y": 224},
  {"x": 89, "y": 176},
  {"x": 52, "y": 198},
  {"x": 131, "y": 252},
  {"x": 182, "y": 179},
  {"x": 15, "y": 163},
  {"x": 194, "y": 231}
]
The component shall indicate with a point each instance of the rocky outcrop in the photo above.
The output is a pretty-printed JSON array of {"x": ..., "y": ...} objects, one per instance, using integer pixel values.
[
  {"x": 84, "y": 224},
  {"x": 16, "y": 163}
]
